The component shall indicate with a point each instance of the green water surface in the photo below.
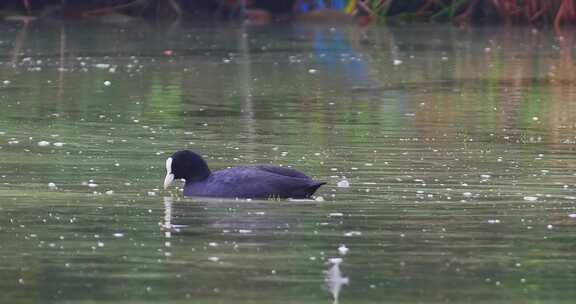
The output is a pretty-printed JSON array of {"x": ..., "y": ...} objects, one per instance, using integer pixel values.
[{"x": 458, "y": 147}]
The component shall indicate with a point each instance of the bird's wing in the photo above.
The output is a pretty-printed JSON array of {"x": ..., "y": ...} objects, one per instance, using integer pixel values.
[
  {"x": 258, "y": 182},
  {"x": 282, "y": 171}
]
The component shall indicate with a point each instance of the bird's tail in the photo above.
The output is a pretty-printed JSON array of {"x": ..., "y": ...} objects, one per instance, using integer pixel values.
[{"x": 315, "y": 187}]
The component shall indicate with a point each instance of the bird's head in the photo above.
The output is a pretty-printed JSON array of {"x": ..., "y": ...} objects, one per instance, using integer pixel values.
[{"x": 185, "y": 165}]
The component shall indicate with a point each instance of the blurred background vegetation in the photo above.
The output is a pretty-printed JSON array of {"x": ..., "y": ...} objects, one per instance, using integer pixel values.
[{"x": 534, "y": 12}]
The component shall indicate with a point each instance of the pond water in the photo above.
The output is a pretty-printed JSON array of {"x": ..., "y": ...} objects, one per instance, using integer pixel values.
[{"x": 457, "y": 147}]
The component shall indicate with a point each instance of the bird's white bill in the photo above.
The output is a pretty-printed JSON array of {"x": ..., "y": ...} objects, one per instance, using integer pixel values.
[
  {"x": 169, "y": 176},
  {"x": 168, "y": 180},
  {"x": 169, "y": 165}
]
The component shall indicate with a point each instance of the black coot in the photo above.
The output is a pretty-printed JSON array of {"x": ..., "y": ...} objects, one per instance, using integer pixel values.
[{"x": 260, "y": 181}]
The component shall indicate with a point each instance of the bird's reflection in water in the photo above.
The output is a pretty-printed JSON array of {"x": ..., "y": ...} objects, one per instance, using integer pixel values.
[
  {"x": 334, "y": 279},
  {"x": 167, "y": 225},
  {"x": 203, "y": 217},
  {"x": 333, "y": 276}
]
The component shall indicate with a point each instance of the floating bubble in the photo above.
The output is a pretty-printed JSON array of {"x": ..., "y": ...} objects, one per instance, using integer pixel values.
[
  {"x": 342, "y": 249},
  {"x": 343, "y": 184},
  {"x": 353, "y": 233}
]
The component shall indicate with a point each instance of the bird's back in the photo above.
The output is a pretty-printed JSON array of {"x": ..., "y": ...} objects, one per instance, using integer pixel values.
[{"x": 260, "y": 182}]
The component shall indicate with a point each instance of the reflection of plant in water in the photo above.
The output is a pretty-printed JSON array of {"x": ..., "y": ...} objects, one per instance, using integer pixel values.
[
  {"x": 557, "y": 12},
  {"x": 508, "y": 11},
  {"x": 465, "y": 11}
]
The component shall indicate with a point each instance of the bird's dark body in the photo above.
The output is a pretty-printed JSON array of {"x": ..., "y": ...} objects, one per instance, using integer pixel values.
[{"x": 259, "y": 182}]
